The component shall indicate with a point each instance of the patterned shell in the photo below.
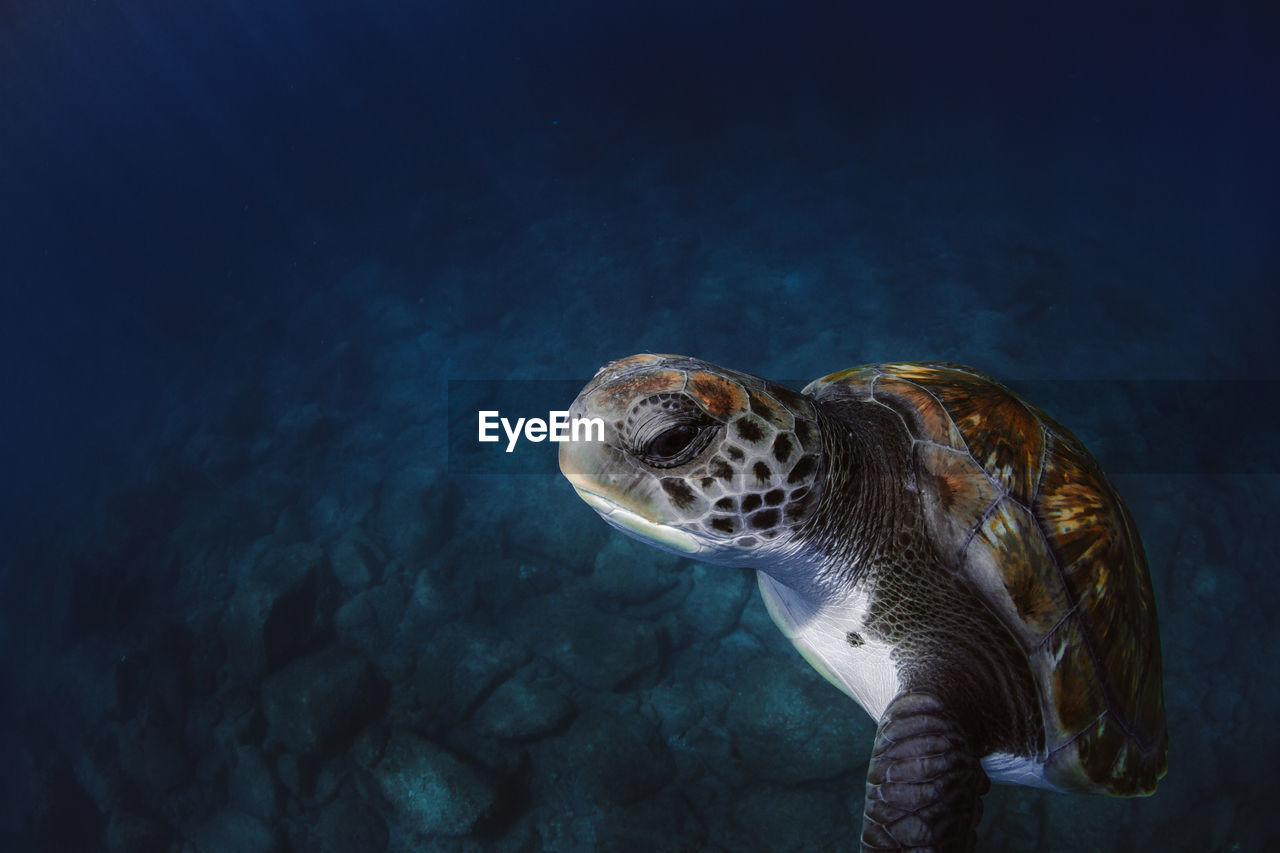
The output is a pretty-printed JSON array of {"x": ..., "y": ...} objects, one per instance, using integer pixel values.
[{"x": 1018, "y": 506}]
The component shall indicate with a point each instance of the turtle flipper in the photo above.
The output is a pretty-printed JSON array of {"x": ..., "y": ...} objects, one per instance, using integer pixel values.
[{"x": 925, "y": 783}]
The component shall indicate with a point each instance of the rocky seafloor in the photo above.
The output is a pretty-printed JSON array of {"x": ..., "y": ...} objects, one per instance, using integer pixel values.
[
  {"x": 250, "y": 599},
  {"x": 301, "y": 630}
]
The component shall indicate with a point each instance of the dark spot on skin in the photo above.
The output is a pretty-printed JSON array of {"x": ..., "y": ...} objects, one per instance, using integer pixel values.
[
  {"x": 748, "y": 429},
  {"x": 854, "y": 639},
  {"x": 748, "y": 541},
  {"x": 766, "y": 409},
  {"x": 763, "y": 519},
  {"x": 707, "y": 483},
  {"x": 806, "y": 433},
  {"x": 735, "y": 453},
  {"x": 782, "y": 448},
  {"x": 773, "y": 497},
  {"x": 793, "y": 400},
  {"x": 796, "y": 509},
  {"x": 678, "y": 490},
  {"x": 763, "y": 473},
  {"x": 751, "y": 503},
  {"x": 799, "y": 493},
  {"x": 724, "y": 525},
  {"x": 726, "y": 504},
  {"x": 720, "y": 469},
  {"x": 803, "y": 468}
]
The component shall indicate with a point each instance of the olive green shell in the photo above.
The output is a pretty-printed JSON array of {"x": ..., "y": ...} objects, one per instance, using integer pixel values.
[{"x": 1019, "y": 508}]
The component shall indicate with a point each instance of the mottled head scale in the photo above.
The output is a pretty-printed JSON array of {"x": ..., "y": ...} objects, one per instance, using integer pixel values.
[{"x": 695, "y": 458}]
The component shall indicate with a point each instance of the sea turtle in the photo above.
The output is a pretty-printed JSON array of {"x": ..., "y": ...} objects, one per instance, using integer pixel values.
[{"x": 943, "y": 552}]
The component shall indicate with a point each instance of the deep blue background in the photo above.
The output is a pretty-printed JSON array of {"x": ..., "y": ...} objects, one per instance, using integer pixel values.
[
  {"x": 216, "y": 213},
  {"x": 168, "y": 167}
]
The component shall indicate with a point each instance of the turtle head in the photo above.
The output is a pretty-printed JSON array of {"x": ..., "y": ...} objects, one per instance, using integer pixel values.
[{"x": 697, "y": 459}]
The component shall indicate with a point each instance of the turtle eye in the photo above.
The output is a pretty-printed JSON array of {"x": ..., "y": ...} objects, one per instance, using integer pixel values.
[
  {"x": 672, "y": 442},
  {"x": 676, "y": 444}
]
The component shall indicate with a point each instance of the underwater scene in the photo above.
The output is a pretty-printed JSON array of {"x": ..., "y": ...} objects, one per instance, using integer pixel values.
[{"x": 298, "y": 548}]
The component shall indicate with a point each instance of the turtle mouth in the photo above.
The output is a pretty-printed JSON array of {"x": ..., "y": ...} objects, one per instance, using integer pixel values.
[{"x": 639, "y": 527}]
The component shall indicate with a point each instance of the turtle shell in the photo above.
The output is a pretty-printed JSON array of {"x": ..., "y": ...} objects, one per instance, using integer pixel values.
[{"x": 1019, "y": 508}]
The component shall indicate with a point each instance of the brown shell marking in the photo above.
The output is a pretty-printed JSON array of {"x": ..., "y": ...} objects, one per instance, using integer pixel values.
[
  {"x": 1089, "y": 527},
  {"x": 958, "y": 499},
  {"x": 1014, "y": 550},
  {"x": 1060, "y": 556},
  {"x": 1079, "y": 697},
  {"x": 721, "y": 397},
  {"x": 622, "y": 391},
  {"x": 1002, "y": 432},
  {"x": 643, "y": 359},
  {"x": 853, "y": 378},
  {"x": 951, "y": 405},
  {"x": 925, "y": 416},
  {"x": 764, "y": 405}
]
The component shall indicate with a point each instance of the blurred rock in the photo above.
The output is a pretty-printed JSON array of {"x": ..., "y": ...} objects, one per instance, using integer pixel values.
[
  {"x": 617, "y": 758},
  {"x": 789, "y": 725},
  {"x": 755, "y": 620},
  {"x": 519, "y": 710},
  {"x": 715, "y": 604},
  {"x": 131, "y": 831},
  {"x": 784, "y": 819},
  {"x": 234, "y": 832},
  {"x": 432, "y": 792},
  {"x": 461, "y": 556},
  {"x": 463, "y": 662},
  {"x": 408, "y": 513},
  {"x": 631, "y": 572},
  {"x": 437, "y": 596},
  {"x": 676, "y": 708},
  {"x": 598, "y": 650},
  {"x": 1226, "y": 708},
  {"x": 663, "y": 823},
  {"x": 370, "y": 745},
  {"x": 1102, "y": 824},
  {"x": 149, "y": 682},
  {"x": 1017, "y": 812},
  {"x": 250, "y": 786},
  {"x": 153, "y": 757},
  {"x": 357, "y": 562},
  {"x": 316, "y": 705},
  {"x": 307, "y": 427},
  {"x": 282, "y": 608},
  {"x": 368, "y": 621},
  {"x": 349, "y": 826},
  {"x": 544, "y": 523},
  {"x": 505, "y": 584},
  {"x": 311, "y": 780}
]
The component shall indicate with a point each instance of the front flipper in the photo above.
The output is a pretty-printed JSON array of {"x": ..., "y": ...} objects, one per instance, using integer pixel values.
[{"x": 924, "y": 783}]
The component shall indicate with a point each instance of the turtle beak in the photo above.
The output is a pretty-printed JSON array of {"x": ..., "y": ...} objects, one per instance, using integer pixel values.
[
  {"x": 598, "y": 470},
  {"x": 618, "y": 487},
  {"x": 593, "y": 459}
]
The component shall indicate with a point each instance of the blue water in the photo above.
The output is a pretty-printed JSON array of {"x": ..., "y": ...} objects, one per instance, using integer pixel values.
[{"x": 260, "y": 593}]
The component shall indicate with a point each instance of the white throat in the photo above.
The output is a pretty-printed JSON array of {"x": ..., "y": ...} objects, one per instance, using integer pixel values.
[{"x": 833, "y": 638}]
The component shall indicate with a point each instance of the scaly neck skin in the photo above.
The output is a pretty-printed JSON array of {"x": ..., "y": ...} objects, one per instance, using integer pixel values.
[
  {"x": 867, "y": 542},
  {"x": 865, "y": 497}
]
